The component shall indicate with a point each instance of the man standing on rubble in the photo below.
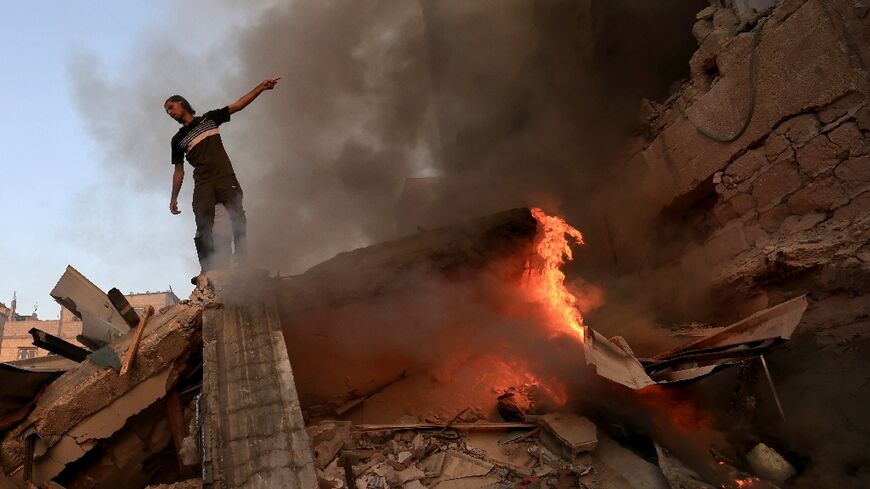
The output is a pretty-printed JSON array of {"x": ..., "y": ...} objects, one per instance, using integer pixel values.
[{"x": 214, "y": 181}]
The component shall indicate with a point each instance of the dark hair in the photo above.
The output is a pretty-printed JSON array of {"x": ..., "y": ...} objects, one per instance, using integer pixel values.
[{"x": 184, "y": 103}]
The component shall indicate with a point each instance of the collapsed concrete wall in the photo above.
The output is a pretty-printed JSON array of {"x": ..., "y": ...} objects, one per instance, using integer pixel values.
[
  {"x": 791, "y": 192},
  {"x": 780, "y": 210}
]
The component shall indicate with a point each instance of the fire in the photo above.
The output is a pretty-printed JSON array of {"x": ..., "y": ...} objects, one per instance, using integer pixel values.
[
  {"x": 741, "y": 483},
  {"x": 681, "y": 413},
  {"x": 549, "y": 287}
]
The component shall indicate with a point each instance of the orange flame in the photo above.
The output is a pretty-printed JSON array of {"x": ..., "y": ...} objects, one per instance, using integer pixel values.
[
  {"x": 747, "y": 482},
  {"x": 555, "y": 250}
]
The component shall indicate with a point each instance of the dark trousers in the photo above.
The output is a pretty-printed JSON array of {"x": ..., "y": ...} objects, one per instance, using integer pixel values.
[{"x": 206, "y": 195}]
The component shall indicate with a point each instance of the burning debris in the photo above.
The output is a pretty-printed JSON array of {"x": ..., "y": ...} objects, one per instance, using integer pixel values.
[
  {"x": 175, "y": 410},
  {"x": 462, "y": 357}
]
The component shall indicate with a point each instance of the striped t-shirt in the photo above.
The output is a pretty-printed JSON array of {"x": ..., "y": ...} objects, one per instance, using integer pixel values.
[{"x": 201, "y": 142}]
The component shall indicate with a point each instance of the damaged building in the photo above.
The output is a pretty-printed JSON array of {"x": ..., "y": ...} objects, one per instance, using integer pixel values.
[{"x": 731, "y": 243}]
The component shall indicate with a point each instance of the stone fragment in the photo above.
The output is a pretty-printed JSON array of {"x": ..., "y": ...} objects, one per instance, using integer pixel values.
[
  {"x": 724, "y": 19},
  {"x": 706, "y": 13},
  {"x": 415, "y": 484},
  {"x": 848, "y": 137},
  {"x": 610, "y": 456},
  {"x": 819, "y": 155},
  {"x": 768, "y": 464},
  {"x": 412, "y": 473},
  {"x": 701, "y": 29},
  {"x": 746, "y": 165},
  {"x": 327, "y": 438},
  {"x": 403, "y": 457},
  {"x": 677, "y": 474},
  {"x": 820, "y": 195},
  {"x": 770, "y": 187},
  {"x": 855, "y": 175},
  {"x": 568, "y": 434}
]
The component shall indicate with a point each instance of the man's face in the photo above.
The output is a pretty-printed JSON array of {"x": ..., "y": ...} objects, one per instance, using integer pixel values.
[{"x": 175, "y": 110}]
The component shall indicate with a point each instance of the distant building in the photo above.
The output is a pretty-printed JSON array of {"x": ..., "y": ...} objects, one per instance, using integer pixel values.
[{"x": 17, "y": 344}]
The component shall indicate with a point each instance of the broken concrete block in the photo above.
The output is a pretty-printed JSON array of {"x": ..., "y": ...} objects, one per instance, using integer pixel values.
[
  {"x": 327, "y": 439},
  {"x": 568, "y": 434},
  {"x": 768, "y": 464},
  {"x": 412, "y": 473},
  {"x": 188, "y": 484},
  {"x": 78, "y": 294},
  {"x": 403, "y": 457},
  {"x": 635, "y": 471},
  {"x": 706, "y": 13},
  {"x": 678, "y": 475},
  {"x": 414, "y": 484}
]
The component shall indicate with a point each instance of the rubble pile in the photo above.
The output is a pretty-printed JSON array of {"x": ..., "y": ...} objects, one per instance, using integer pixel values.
[
  {"x": 445, "y": 360},
  {"x": 205, "y": 392},
  {"x": 554, "y": 451}
]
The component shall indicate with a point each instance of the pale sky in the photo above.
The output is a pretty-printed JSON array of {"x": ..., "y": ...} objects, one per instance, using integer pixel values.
[{"x": 58, "y": 206}]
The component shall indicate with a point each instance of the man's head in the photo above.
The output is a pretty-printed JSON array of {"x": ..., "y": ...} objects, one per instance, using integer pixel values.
[{"x": 176, "y": 106}]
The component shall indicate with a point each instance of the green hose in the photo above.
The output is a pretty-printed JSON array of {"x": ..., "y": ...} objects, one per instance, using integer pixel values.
[{"x": 750, "y": 108}]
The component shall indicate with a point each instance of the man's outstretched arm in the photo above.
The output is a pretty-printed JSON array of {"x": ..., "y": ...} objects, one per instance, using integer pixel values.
[
  {"x": 250, "y": 96},
  {"x": 177, "y": 179}
]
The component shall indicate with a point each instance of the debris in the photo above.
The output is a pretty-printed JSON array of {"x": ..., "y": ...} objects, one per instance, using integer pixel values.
[
  {"x": 484, "y": 425},
  {"x": 58, "y": 346},
  {"x": 123, "y": 307},
  {"x": 520, "y": 437},
  {"x": 268, "y": 411},
  {"x": 403, "y": 457},
  {"x": 635, "y": 471},
  {"x": 513, "y": 405},
  {"x": 678, "y": 475},
  {"x": 101, "y": 322},
  {"x": 134, "y": 344},
  {"x": 772, "y": 388},
  {"x": 613, "y": 363},
  {"x": 768, "y": 464},
  {"x": 106, "y": 357},
  {"x": 327, "y": 439},
  {"x": 88, "y": 406},
  {"x": 410, "y": 474},
  {"x": 568, "y": 434},
  {"x": 21, "y": 382},
  {"x": 749, "y": 337}
]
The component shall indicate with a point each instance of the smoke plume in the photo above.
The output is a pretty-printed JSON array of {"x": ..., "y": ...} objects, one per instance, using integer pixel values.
[{"x": 484, "y": 106}]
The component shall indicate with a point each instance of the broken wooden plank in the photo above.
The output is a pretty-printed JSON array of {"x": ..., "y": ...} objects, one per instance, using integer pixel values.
[
  {"x": 483, "y": 425},
  {"x": 134, "y": 344},
  {"x": 123, "y": 306},
  {"x": 254, "y": 434},
  {"x": 58, "y": 346},
  {"x": 176, "y": 427}
]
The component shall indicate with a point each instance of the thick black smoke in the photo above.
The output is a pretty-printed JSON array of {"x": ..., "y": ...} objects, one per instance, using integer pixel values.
[{"x": 495, "y": 104}]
